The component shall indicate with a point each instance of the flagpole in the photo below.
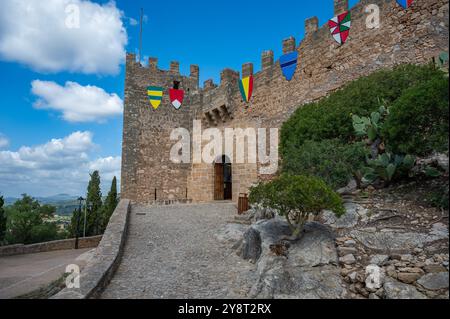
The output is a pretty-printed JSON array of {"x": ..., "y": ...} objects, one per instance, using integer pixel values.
[{"x": 140, "y": 36}]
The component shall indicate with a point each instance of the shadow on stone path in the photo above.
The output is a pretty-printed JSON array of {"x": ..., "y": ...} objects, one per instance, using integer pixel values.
[{"x": 171, "y": 252}]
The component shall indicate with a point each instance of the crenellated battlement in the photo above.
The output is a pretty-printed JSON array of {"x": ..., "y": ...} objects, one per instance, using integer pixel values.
[
  {"x": 267, "y": 59},
  {"x": 313, "y": 35},
  {"x": 156, "y": 74},
  {"x": 413, "y": 35}
]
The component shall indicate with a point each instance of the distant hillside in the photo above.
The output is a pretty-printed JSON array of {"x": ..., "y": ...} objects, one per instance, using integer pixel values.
[
  {"x": 44, "y": 200},
  {"x": 56, "y": 198},
  {"x": 65, "y": 204}
]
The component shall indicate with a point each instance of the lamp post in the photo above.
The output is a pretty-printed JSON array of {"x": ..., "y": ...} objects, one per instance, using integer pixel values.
[{"x": 80, "y": 199}]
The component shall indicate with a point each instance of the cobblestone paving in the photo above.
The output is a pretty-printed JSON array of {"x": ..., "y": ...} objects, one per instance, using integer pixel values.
[{"x": 171, "y": 252}]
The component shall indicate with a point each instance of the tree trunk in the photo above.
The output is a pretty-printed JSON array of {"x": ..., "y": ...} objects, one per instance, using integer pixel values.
[{"x": 297, "y": 230}]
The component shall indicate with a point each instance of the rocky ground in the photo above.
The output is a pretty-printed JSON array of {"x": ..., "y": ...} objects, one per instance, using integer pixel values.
[
  {"x": 391, "y": 244},
  {"x": 395, "y": 233}
]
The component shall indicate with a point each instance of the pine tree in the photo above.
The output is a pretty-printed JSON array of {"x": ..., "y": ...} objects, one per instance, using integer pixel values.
[
  {"x": 2, "y": 220},
  {"x": 94, "y": 202},
  {"x": 110, "y": 204},
  {"x": 73, "y": 224}
]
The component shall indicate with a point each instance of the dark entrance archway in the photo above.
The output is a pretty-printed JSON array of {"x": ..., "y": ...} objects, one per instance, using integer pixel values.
[{"x": 223, "y": 179}]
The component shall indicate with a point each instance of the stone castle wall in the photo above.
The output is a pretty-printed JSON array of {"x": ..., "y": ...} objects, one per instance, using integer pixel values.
[{"x": 415, "y": 35}]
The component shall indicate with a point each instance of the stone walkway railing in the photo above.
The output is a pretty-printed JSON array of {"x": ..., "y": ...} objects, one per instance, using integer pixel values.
[
  {"x": 64, "y": 244},
  {"x": 99, "y": 271}
]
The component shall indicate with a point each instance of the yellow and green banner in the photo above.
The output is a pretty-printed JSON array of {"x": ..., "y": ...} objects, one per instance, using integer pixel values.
[{"x": 155, "y": 95}]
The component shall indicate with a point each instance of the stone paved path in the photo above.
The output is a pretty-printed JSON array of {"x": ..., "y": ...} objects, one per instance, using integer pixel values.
[{"x": 171, "y": 252}]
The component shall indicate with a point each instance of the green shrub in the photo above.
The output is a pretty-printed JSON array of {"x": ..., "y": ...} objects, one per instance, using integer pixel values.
[
  {"x": 439, "y": 197},
  {"x": 388, "y": 167},
  {"x": 418, "y": 120},
  {"x": 44, "y": 232},
  {"x": 295, "y": 197},
  {"x": 330, "y": 160},
  {"x": 25, "y": 221},
  {"x": 331, "y": 117},
  {"x": 370, "y": 127}
]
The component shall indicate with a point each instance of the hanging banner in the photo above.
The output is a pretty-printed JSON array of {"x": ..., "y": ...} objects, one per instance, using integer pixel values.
[
  {"x": 176, "y": 97},
  {"x": 340, "y": 27},
  {"x": 246, "y": 88},
  {"x": 405, "y": 3},
  {"x": 155, "y": 94},
  {"x": 288, "y": 64}
]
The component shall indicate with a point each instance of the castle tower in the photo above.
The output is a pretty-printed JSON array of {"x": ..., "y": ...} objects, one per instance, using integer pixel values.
[{"x": 148, "y": 173}]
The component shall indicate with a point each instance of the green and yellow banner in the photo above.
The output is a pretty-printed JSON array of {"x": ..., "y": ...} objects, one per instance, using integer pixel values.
[{"x": 155, "y": 95}]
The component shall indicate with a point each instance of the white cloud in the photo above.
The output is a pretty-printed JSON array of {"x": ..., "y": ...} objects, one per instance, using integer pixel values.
[
  {"x": 59, "y": 166},
  {"x": 133, "y": 22},
  {"x": 4, "y": 142},
  {"x": 46, "y": 37},
  {"x": 77, "y": 103}
]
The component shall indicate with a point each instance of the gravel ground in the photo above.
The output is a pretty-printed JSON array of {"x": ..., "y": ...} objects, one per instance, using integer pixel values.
[{"x": 171, "y": 252}]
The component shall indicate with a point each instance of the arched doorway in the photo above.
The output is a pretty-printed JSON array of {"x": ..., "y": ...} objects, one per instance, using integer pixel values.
[{"x": 222, "y": 178}]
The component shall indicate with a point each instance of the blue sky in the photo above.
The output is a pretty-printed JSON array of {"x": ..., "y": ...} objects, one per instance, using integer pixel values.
[{"x": 39, "y": 151}]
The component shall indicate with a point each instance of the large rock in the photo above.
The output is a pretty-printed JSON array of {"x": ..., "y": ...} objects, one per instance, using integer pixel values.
[
  {"x": 354, "y": 213},
  {"x": 310, "y": 269},
  {"x": 439, "y": 230},
  {"x": 408, "y": 277},
  {"x": 251, "y": 245},
  {"x": 263, "y": 213},
  {"x": 261, "y": 235},
  {"x": 434, "y": 268},
  {"x": 396, "y": 241},
  {"x": 438, "y": 160},
  {"x": 348, "y": 259},
  {"x": 257, "y": 213},
  {"x": 351, "y": 187},
  {"x": 374, "y": 277},
  {"x": 434, "y": 281},
  {"x": 231, "y": 233},
  {"x": 397, "y": 290},
  {"x": 379, "y": 260}
]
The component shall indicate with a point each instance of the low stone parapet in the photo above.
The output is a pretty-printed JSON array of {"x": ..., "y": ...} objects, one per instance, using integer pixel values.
[
  {"x": 100, "y": 269},
  {"x": 64, "y": 244}
]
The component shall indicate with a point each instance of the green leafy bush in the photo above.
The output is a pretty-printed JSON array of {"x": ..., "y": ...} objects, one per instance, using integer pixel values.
[
  {"x": 25, "y": 221},
  {"x": 370, "y": 127},
  {"x": 44, "y": 232},
  {"x": 387, "y": 167},
  {"x": 330, "y": 160},
  {"x": 331, "y": 117},
  {"x": 295, "y": 197},
  {"x": 418, "y": 120},
  {"x": 439, "y": 198}
]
